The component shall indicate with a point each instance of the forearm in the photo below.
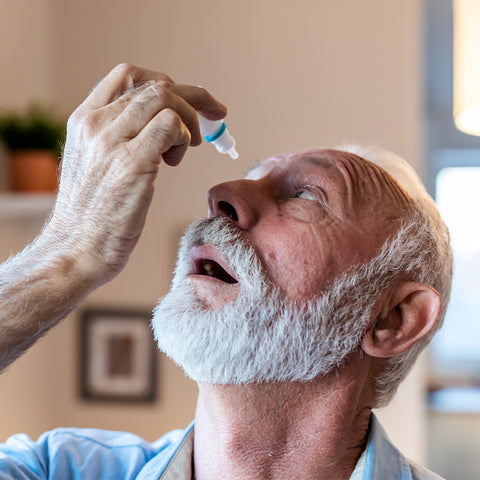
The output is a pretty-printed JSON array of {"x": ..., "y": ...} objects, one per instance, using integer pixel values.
[
  {"x": 116, "y": 139},
  {"x": 38, "y": 287}
]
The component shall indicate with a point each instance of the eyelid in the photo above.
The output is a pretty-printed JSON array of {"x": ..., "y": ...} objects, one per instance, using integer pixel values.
[{"x": 315, "y": 190}]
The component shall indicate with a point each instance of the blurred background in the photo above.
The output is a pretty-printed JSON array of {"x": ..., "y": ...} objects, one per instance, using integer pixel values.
[{"x": 294, "y": 75}]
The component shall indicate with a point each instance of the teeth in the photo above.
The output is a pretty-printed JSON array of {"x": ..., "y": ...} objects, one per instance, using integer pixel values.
[
  {"x": 211, "y": 268},
  {"x": 207, "y": 266}
]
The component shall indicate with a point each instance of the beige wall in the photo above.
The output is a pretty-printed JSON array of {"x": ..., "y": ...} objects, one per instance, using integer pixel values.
[
  {"x": 294, "y": 75},
  {"x": 28, "y": 35}
]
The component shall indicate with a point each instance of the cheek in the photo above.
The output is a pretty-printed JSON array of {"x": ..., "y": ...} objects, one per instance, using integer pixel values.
[
  {"x": 306, "y": 212},
  {"x": 296, "y": 265}
]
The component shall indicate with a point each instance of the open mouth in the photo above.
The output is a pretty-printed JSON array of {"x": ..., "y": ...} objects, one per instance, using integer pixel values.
[
  {"x": 213, "y": 269},
  {"x": 206, "y": 261}
]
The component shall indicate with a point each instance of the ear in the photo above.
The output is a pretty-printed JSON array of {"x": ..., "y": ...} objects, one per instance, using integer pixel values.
[{"x": 407, "y": 316}]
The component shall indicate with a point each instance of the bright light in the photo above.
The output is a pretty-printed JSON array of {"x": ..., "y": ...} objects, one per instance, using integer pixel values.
[
  {"x": 458, "y": 199},
  {"x": 466, "y": 99}
]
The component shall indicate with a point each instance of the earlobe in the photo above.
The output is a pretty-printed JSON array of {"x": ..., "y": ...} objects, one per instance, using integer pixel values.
[{"x": 408, "y": 315}]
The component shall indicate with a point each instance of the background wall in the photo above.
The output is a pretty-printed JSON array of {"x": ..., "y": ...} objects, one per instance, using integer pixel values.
[{"x": 294, "y": 75}]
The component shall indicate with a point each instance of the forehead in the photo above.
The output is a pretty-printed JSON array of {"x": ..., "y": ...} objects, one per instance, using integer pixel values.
[
  {"x": 344, "y": 166},
  {"x": 285, "y": 160},
  {"x": 322, "y": 159},
  {"x": 356, "y": 182},
  {"x": 292, "y": 163}
]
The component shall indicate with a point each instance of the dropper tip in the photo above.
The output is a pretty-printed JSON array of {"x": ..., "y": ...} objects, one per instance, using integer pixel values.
[{"x": 233, "y": 153}]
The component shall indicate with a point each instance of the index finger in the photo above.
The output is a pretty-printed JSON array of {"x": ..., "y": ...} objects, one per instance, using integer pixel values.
[
  {"x": 201, "y": 100},
  {"x": 123, "y": 77}
]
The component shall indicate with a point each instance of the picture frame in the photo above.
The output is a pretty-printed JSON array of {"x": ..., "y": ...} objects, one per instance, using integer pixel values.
[{"x": 118, "y": 356}]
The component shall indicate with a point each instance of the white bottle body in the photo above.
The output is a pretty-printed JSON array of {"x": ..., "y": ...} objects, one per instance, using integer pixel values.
[{"x": 215, "y": 131}]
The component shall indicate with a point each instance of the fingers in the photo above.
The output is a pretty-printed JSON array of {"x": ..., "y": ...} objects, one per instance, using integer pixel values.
[
  {"x": 121, "y": 79},
  {"x": 116, "y": 139},
  {"x": 135, "y": 113},
  {"x": 201, "y": 100},
  {"x": 166, "y": 136},
  {"x": 135, "y": 109},
  {"x": 130, "y": 97},
  {"x": 125, "y": 77},
  {"x": 147, "y": 111}
]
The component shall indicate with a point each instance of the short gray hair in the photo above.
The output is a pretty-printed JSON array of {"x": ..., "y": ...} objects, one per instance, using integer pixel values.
[{"x": 420, "y": 251}]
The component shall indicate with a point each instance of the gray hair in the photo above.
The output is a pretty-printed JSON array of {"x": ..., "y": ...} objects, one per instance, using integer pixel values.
[{"x": 419, "y": 251}]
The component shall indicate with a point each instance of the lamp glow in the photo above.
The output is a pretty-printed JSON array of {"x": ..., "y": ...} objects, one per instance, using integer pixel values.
[{"x": 466, "y": 96}]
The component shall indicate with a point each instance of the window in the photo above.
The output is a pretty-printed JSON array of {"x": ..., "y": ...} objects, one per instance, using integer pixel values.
[
  {"x": 453, "y": 418},
  {"x": 455, "y": 350}
]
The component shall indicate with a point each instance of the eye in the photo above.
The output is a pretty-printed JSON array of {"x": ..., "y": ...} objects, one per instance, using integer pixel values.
[{"x": 308, "y": 192}]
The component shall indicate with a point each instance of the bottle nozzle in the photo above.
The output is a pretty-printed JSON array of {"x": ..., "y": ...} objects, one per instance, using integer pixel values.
[
  {"x": 233, "y": 153},
  {"x": 215, "y": 131}
]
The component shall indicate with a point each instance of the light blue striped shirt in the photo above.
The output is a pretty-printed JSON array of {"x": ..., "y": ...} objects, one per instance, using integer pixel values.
[{"x": 75, "y": 454}]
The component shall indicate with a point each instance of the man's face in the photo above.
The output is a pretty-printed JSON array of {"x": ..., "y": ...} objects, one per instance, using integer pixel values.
[
  {"x": 309, "y": 216},
  {"x": 254, "y": 297}
]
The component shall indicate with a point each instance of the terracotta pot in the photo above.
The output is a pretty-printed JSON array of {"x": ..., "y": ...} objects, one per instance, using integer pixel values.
[{"x": 33, "y": 171}]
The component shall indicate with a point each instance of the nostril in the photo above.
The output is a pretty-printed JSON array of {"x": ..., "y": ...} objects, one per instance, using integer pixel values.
[{"x": 229, "y": 210}]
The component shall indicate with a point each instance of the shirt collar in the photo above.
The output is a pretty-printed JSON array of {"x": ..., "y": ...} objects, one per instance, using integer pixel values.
[
  {"x": 379, "y": 460},
  {"x": 383, "y": 460},
  {"x": 180, "y": 466}
]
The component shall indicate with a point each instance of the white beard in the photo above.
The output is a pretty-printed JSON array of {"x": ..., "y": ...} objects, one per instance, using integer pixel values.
[{"x": 259, "y": 337}]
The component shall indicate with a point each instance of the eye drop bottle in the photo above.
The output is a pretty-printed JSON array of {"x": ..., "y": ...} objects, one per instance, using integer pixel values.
[{"x": 215, "y": 131}]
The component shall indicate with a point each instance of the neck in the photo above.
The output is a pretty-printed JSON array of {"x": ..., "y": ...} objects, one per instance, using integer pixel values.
[{"x": 314, "y": 430}]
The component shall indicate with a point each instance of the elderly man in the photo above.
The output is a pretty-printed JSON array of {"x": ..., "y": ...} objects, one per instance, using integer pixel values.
[{"x": 298, "y": 305}]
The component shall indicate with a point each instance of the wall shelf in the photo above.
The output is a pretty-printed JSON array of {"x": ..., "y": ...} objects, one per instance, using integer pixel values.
[{"x": 25, "y": 206}]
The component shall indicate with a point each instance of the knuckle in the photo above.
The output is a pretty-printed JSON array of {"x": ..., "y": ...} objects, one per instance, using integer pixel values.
[
  {"x": 88, "y": 122},
  {"x": 151, "y": 92},
  {"x": 124, "y": 69},
  {"x": 166, "y": 78},
  {"x": 165, "y": 83},
  {"x": 92, "y": 119},
  {"x": 171, "y": 118},
  {"x": 204, "y": 93},
  {"x": 127, "y": 73},
  {"x": 161, "y": 88},
  {"x": 106, "y": 139},
  {"x": 169, "y": 125}
]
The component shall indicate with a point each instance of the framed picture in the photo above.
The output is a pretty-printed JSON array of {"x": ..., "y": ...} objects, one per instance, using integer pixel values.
[{"x": 118, "y": 356}]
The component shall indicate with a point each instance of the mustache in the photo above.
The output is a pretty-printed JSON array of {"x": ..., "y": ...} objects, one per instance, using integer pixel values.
[
  {"x": 214, "y": 230},
  {"x": 224, "y": 235}
]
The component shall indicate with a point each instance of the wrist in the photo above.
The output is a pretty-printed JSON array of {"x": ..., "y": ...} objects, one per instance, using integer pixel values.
[{"x": 71, "y": 267}]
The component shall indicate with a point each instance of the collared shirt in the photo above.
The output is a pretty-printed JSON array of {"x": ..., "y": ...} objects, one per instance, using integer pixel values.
[{"x": 98, "y": 454}]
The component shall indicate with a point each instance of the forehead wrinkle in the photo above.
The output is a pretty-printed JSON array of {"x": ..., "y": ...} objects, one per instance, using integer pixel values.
[
  {"x": 342, "y": 179},
  {"x": 384, "y": 185},
  {"x": 366, "y": 177},
  {"x": 351, "y": 175},
  {"x": 358, "y": 178}
]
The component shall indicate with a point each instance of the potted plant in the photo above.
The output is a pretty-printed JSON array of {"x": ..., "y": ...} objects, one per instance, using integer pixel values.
[{"x": 34, "y": 139}]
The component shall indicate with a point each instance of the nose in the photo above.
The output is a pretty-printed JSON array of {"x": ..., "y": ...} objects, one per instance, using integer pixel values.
[{"x": 240, "y": 200}]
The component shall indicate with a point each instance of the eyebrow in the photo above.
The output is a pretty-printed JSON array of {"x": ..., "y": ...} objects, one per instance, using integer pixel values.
[
  {"x": 317, "y": 162},
  {"x": 253, "y": 167}
]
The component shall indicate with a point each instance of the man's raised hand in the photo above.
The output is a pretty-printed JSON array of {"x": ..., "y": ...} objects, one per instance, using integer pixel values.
[{"x": 116, "y": 139}]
